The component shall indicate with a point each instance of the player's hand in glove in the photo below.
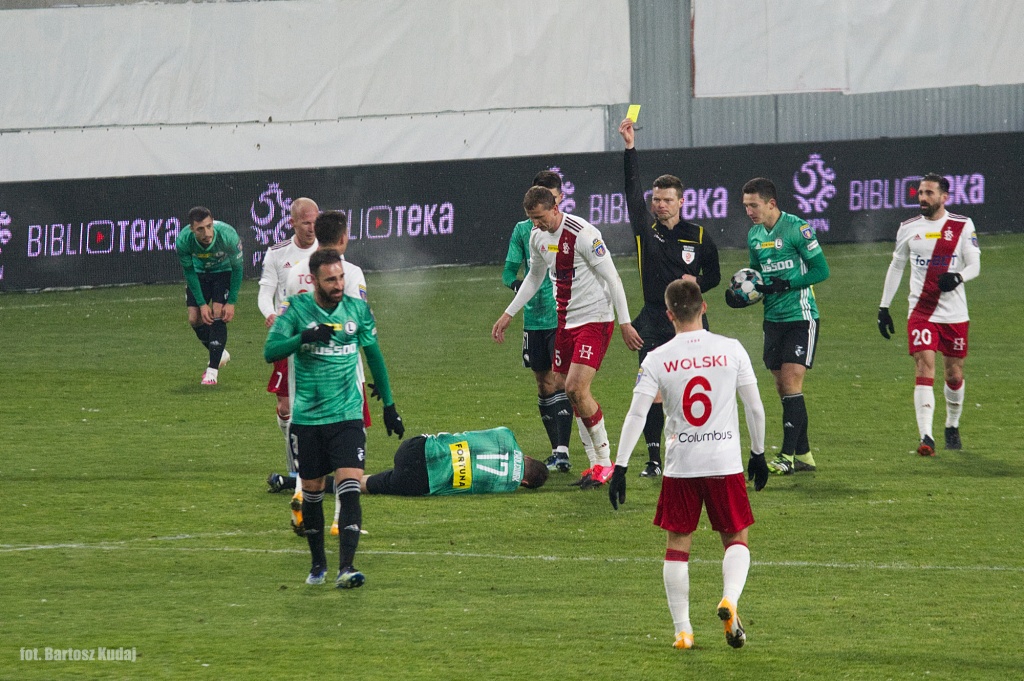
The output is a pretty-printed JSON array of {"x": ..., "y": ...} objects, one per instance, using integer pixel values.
[
  {"x": 757, "y": 470},
  {"x": 733, "y": 300},
  {"x": 321, "y": 333},
  {"x": 885, "y": 325},
  {"x": 373, "y": 390},
  {"x": 516, "y": 284},
  {"x": 617, "y": 487},
  {"x": 949, "y": 281},
  {"x": 777, "y": 285},
  {"x": 393, "y": 422}
]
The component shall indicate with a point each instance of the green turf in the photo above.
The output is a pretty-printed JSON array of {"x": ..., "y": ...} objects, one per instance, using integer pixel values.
[{"x": 134, "y": 512}]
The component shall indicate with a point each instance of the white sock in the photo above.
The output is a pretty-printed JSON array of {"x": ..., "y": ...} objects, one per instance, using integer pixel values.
[
  {"x": 588, "y": 444},
  {"x": 211, "y": 372},
  {"x": 735, "y": 565},
  {"x": 954, "y": 404},
  {"x": 924, "y": 406},
  {"x": 676, "y": 574},
  {"x": 602, "y": 449},
  {"x": 337, "y": 506}
]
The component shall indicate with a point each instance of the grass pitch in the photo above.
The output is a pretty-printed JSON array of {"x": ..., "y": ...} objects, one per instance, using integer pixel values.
[{"x": 134, "y": 513}]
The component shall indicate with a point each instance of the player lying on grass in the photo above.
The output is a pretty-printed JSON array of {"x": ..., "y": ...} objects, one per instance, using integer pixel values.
[{"x": 475, "y": 462}]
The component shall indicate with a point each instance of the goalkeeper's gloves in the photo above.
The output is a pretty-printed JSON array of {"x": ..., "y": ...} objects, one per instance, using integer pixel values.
[
  {"x": 885, "y": 325},
  {"x": 757, "y": 470},
  {"x": 949, "y": 281},
  {"x": 777, "y": 285},
  {"x": 393, "y": 422},
  {"x": 373, "y": 390},
  {"x": 617, "y": 487},
  {"x": 320, "y": 333},
  {"x": 515, "y": 285},
  {"x": 733, "y": 300}
]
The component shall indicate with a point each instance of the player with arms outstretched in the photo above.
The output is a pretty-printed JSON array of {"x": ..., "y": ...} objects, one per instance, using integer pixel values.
[
  {"x": 943, "y": 252},
  {"x": 699, "y": 374},
  {"x": 589, "y": 297}
]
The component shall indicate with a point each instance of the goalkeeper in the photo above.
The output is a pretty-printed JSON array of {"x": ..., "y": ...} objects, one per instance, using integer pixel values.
[{"x": 475, "y": 462}]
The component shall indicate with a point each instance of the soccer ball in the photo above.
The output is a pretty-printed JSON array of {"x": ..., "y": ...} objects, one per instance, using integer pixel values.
[{"x": 742, "y": 285}]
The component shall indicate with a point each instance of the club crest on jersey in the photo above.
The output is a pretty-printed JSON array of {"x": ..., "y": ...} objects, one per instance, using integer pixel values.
[
  {"x": 565, "y": 248},
  {"x": 974, "y": 241},
  {"x": 778, "y": 244},
  {"x": 599, "y": 249},
  {"x": 688, "y": 255},
  {"x": 350, "y": 327},
  {"x": 362, "y": 292},
  {"x": 947, "y": 235},
  {"x": 807, "y": 232},
  {"x": 639, "y": 375}
]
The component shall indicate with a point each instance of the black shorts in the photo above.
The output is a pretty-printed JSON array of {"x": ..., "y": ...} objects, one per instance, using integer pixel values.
[
  {"x": 790, "y": 343},
  {"x": 409, "y": 476},
  {"x": 321, "y": 450},
  {"x": 538, "y": 349},
  {"x": 215, "y": 287}
]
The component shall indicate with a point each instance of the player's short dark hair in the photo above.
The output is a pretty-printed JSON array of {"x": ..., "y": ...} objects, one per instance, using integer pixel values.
[
  {"x": 684, "y": 299},
  {"x": 330, "y": 228},
  {"x": 763, "y": 187},
  {"x": 198, "y": 214},
  {"x": 324, "y": 256},
  {"x": 549, "y": 179},
  {"x": 538, "y": 197},
  {"x": 670, "y": 182},
  {"x": 938, "y": 179},
  {"x": 535, "y": 473}
]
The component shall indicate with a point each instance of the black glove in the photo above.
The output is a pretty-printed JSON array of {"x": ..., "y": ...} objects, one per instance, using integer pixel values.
[
  {"x": 516, "y": 284},
  {"x": 617, "y": 487},
  {"x": 393, "y": 422},
  {"x": 320, "y": 333},
  {"x": 885, "y": 325},
  {"x": 949, "y": 281},
  {"x": 757, "y": 470},
  {"x": 777, "y": 285},
  {"x": 733, "y": 300},
  {"x": 373, "y": 390}
]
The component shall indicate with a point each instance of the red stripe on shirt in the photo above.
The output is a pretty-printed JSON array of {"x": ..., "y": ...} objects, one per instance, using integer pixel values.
[
  {"x": 565, "y": 262},
  {"x": 940, "y": 261}
]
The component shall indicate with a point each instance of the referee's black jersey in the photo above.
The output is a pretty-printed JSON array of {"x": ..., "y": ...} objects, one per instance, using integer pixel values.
[{"x": 666, "y": 254}]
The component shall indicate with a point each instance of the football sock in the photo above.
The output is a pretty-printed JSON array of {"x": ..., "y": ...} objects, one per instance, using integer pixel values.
[
  {"x": 313, "y": 520},
  {"x": 599, "y": 436},
  {"x": 203, "y": 333},
  {"x": 285, "y": 423},
  {"x": 954, "y": 403},
  {"x": 676, "y": 574},
  {"x": 807, "y": 458},
  {"x": 548, "y": 416},
  {"x": 794, "y": 421},
  {"x": 652, "y": 431},
  {"x": 588, "y": 444},
  {"x": 350, "y": 519},
  {"x": 924, "y": 405},
  {"x": 563, "y": 419},
  {"x": 735, "y": 565},
  {"x": 218, "y": 339}
]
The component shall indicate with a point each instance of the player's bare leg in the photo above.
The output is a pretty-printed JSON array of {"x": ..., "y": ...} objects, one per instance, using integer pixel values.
[
  {"x": 676, "y": 575},
  {"x": 924, "y": 399},
  {"x": 789, "y": 383},
  {"x": 953, "y": 391}
]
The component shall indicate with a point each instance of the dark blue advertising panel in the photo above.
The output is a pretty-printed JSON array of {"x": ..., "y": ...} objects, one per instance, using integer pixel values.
[{"x": 74, "y": 233}]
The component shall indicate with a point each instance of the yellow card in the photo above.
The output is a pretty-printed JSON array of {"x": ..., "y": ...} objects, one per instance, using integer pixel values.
[{"x": 634, "y": 112}]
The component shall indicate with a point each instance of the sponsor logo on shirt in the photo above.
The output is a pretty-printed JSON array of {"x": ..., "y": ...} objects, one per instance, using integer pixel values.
[
  {"x": 712, "y": 436},
  {"x": 462, "y": 469},
  {"x": 552, "y": 248},
  {"x": 932, "y": 235},
  {"x": 769, "y": 267},
  {"x": 811, "y": 246},
  {"x": 764, "y": 245}
]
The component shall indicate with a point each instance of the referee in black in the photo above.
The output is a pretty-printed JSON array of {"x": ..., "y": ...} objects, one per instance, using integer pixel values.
[{"x": 667, "y": 248}]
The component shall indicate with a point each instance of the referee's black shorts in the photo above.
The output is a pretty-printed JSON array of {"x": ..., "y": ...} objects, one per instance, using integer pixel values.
[{"x": 409, "y": 476}]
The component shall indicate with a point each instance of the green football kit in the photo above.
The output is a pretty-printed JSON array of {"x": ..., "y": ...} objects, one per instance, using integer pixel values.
[
  {"x": 539, "y": 313},
  {"x": 476, "y": 462},
  {"x": 224, "y": 254},
  {"x": 790, "y": 250}
]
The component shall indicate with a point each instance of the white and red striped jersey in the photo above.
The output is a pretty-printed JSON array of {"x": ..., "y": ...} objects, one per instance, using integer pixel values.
[
  {"x": 934, "y": 247},
  {"x": 301, "y": 281},
  {"x": 698, "y": 373},
  {"x": 278, "y": 261},
  {"x": 586, "y": 284}
]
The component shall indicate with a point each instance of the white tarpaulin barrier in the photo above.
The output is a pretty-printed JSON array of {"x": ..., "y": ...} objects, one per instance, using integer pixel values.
[{"x": 754, "y": 47}]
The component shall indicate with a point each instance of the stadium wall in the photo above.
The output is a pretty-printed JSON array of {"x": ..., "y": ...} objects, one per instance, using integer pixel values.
[{"x": 75, "y": 233}]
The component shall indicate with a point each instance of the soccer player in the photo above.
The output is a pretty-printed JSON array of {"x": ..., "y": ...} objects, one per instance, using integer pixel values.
[
  {"x": 474, "y": 462},
  {"x": 277, "y": 263},
  {"x": 589, "y": 296},
  {"x": 786, "y": 251},
  {"x": 699, "y": 374},
  {"x": 943, "y": 251},
  {"x": 211, "y": 260},
  {"x": 667, "y": 248},
  {"x": 323, "y": 331},
  {"x": 539, "y": 323}
]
